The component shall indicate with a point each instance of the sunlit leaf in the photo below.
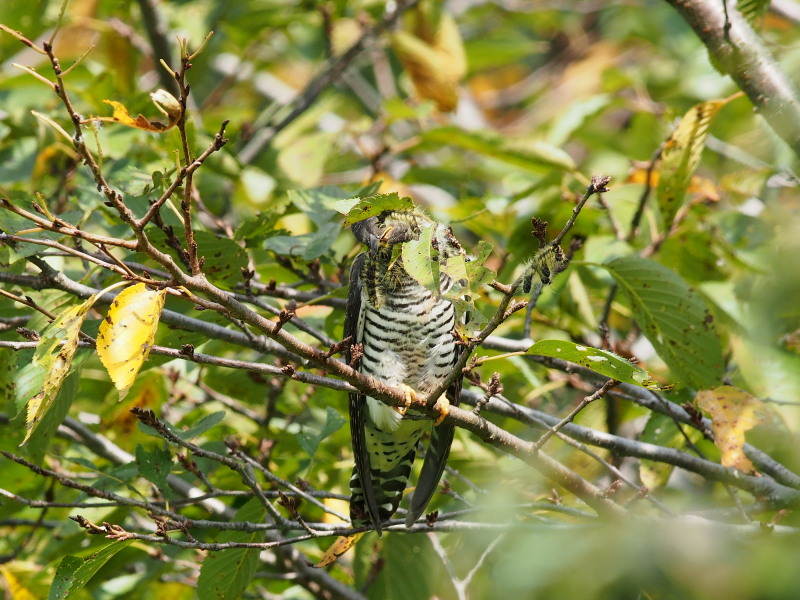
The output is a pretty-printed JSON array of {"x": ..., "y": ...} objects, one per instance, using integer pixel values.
[
  {"x": 681, "y": 155},
  {"x": 419, "y": 260},
  {"x": 126, "y": 334},
  {"x": 600, "y": 361},
  {"x": 165, "y": 102},
  {"x": 477, "y": 273},
  {"x": 455, "y": 266},
  {"x": 673, "y": 317},
  {"x": 733, "y": 412}
]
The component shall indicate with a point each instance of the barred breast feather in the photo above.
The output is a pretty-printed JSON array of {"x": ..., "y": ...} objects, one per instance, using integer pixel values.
[{"x": 407, "y": 335}]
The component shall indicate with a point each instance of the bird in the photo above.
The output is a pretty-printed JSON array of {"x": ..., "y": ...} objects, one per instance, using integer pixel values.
[{"x": 405, "y": 335}]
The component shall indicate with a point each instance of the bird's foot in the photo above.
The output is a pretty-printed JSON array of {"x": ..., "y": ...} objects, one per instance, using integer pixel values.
[
  {"x": 442, "y": 406},
  {"x": 409, "y": 397}
]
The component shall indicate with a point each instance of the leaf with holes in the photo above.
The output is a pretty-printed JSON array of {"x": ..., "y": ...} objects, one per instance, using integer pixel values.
[
  {"x": 74, "y": 572},
  {"x": 372, "y": 206},
  {"x": 419, "y": 260},
  {"x": 54, "y": 355},
  {"x": 733, "y": 412},
  {"x": 126, "y": 334},
  {"x": 600, "y": 361},
  {"x": 673, "y": 317}
]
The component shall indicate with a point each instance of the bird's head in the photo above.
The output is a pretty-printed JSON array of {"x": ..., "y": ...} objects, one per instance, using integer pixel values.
[{"x": 390, "y": 228}]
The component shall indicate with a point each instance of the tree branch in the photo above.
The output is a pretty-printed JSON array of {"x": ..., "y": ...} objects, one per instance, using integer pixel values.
[{"x": 739, "y": 52}]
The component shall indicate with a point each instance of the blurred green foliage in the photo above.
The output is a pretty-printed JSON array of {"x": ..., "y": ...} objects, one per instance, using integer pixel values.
[{"x": 552, "y": 96}]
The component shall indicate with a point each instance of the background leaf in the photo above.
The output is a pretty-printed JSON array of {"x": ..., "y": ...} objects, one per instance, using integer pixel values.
[
  {"x": 74, "y": 572},
  {"x": 733, "y": 412},
  {"x": 224, "y": 575},
  {"x": 673, "y": 317}
]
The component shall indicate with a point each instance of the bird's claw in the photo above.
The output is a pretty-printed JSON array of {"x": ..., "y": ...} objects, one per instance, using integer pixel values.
[
  {"x": 442, "y": 406},
  {"x": 409, "y": 396}
]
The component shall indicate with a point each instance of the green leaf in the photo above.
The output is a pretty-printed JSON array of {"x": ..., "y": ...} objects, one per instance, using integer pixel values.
[
  {"x": 419, "y": 261},
  {"x": 673, "y": 317},
  {"x": 224, "y": 258},
  {"x": 600, "y": 361},
  {"x": 320, "y": 204},
  {"x": 40, "y": 439},
  {"x": 533, "y": 155},
  {"x": 56, "y": 359},
  {"x": 28, "y": 381},
  {"x": 255, "y": 229},
  {"x": 18, "y": 159},
  {"x": 225, "y": 575},
  {"x": 7, "y": 385},
  {"x": 456, "y": 267},
  {"x": 155, "y": 466},
  {"x": 477, "y": 274},
  {"x": 415, "y": 568},
  {"x": 307, "y": 246},
  {"x": 371, "y": 206},
  {"x": 200, "y": 428},
  {"x": 73, "y": 572},
  {"x": 310, "y": 442},
  {"x": 12, "y": 224}
]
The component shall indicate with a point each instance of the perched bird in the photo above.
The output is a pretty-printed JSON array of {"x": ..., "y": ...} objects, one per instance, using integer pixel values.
[{"x": 406, "y": 336}]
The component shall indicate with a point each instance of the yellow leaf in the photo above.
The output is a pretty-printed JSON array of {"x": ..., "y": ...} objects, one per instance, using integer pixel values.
[
  {"x": 681, "y": 155},
  {"x": 165, "y": 102},
  {"x": 337, "y": 504},
  {"x": 732, "y": 412},
  {"x": 126, "y": 334},
  {"x": 434, "y": 57},
  {"x": 15, "y": 587},
  {"x": 340, "y": 546}
]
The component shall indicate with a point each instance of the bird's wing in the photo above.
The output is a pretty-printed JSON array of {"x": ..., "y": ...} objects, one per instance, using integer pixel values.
[
  {"x": 435, "y": 458},
  {"x": 353, "y": 326}
]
